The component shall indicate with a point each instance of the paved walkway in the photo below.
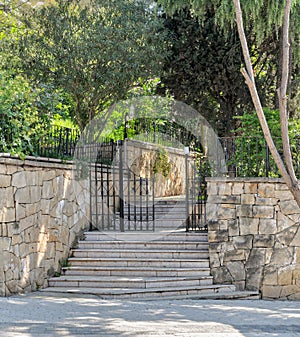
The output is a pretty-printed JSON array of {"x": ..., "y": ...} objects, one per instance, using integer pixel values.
[{"x": 43, "y": 315}]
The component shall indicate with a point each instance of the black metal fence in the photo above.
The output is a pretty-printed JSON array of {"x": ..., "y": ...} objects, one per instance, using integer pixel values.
[
  {"x": 57, "y": 142},
  {"x": 251, "y": 157}
]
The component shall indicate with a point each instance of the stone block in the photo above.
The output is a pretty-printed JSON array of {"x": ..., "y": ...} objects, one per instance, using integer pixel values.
[
  {"x": 13, "y": 229},
  {"x": 281, "y": 187},
  {"x": 5, "y": 244},
  {"x": 289, "y": 291},
  {"x": 289, "y": 207},
  {"x": 265, "y": 201},
  {"x": 256, "y": 258},
  {"x": 22, "y": 195},
  {"x": 244, "y": 211},
  {"x": 282, "y": 257},
  {"x": 266, "y": 190},
  {"x": 47, "y": 190},
  {"x": 248, "y": 226},
  {"x": 48, "y": 175},
  {"x": 236, "y": 255},
  {"x": 254, "y": 278},
  {"x": 271, "y": 291},
  {"x": 296, "y": 239},
  {"x": 287, "y": 236},
  {"x": 247, "y": 199},
  {"x": 5, "y": 180},
  {"x": 68, "y": 208},
  {"x": 33, "y": 178},
  {"x": 263, "y": 241},
  {"x": 237, "y": 188},
  {"x": 217, "y": 236},
  {"x": 212, "y": 188},
  {"x": 263, "y": 212},
  {"x": 270, "y": 276},
  {"x": 283, "y": 222},
  {"x": 285, "y": 276},
  {"x": 213, "y": 226},
  {"x": 214, "y": 260},
  {"x": 7, "y": 197},
  {"x": 225, "y": 188},
  {"x": 250, "y": 188},
  {"x": 283, "y": 195},
  {"x": 20, "y": 212},
  {"x": 233, "y": 228},
  {"x": 35, "y": 194},
  {"x": 27, "y": 222},
  {"x": 267, "y": 226},
  {"x": 236, "y": 270},
  {"x": 18, "y": 179},
  {"x": 242, "y": 242},
  {"x": 8, "y": 214},
  {"x": 221, "y": 275},
  {"x": 224, "y": 199},
  {"x": 226, "y": 211}
]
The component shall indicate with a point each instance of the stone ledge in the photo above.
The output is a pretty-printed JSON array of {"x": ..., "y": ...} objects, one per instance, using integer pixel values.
[
  {"x": 244, "y": 179},
  {"x": 42, "y": 162}
]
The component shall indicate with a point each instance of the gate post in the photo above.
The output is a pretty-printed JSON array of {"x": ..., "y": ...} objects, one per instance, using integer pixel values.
[
  {"x": 187, "y": 213},
  {"x": 121, "y": 188}
]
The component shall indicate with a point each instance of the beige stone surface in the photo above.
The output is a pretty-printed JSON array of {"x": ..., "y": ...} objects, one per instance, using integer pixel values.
[
  {"x": 266, "y": 190},
  {"x": 248, "y": 226},
  {"x": 263, "y": 211},
  {"x": 5, "y": 180},
  {"x": 267, "y": 226},
  {"x": 271, "y": 291}
]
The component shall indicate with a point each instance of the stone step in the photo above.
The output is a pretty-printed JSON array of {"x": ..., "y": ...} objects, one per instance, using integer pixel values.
[
  {"x": 142, "y": 245},
  {"x": 134, "y": 262},
  {"x": 141, "y": 253},
  {"x": 180, "y": 236},
  {"x": 150, "y": 293},
  {"x": 136, "y": 271},
  {"x": 127, "y": 282}
]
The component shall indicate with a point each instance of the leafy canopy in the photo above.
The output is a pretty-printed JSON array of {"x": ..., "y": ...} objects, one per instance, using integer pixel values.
[
  {"x": 263, "y": 16},
  {"x": 94, "y": 50}
]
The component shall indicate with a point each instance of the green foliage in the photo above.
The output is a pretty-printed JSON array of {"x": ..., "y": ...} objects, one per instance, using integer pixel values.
[
  {"x": 19, "y": 116},
  {"x": 262, "y": 17},
  {"x": 94, "y": 50},
  {"x": 161, "y": 163},
  {"x": 203, "y": 69},
  {"x": 251, "y": 153}
]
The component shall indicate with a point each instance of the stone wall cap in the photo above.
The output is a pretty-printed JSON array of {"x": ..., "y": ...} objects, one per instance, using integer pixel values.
[
  {"x": 9, "y": 159},
  {"x": 246, "y": 180}
]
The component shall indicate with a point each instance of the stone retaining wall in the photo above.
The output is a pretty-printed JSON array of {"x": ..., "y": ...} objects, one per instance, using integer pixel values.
[
  {"x": 141, "y": 157},
  {"x": 254, "y": 235},
  {"x": 42, "y": 212}
]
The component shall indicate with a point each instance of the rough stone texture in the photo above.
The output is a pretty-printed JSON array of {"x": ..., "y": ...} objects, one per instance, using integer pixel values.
[
  {"x": 40, "y": 217},
  {"x": 141, "y": 157},
  {"x": 260, "y": 250}
]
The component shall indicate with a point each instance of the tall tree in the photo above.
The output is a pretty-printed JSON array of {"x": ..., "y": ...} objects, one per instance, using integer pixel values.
[
  {"x": 94, "y": 50},
  {"x": 202, "y": 69},
  {"x": 265, "y": 16},
  {"x": 285, "y": 166}
]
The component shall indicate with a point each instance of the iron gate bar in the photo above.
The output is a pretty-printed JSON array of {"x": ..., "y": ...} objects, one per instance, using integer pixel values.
[{"x": 121, "y": 189}]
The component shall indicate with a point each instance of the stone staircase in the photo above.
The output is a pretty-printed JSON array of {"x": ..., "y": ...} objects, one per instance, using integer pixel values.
[{"x": 142, "y": 265}]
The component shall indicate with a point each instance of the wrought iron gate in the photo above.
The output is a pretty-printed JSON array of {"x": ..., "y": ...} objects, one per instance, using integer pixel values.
[
  {"x": 197, "y": 169},
  {"x": 120, "y": 200}
]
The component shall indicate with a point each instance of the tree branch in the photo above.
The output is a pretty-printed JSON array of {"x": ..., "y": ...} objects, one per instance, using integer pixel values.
[
  {"x": 282, "y": 92},
  {"x": 249, "y": 77}
]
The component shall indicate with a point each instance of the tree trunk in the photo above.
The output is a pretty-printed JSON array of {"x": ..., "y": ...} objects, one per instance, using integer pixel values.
[{"x": 287, "y": 170}]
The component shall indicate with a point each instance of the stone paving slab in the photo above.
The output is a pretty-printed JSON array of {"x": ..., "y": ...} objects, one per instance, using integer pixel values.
[{"x": 44, "y": 315}]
